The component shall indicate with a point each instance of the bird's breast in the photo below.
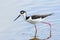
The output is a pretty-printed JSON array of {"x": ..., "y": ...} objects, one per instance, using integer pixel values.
[{"x": 34, "y": 21}]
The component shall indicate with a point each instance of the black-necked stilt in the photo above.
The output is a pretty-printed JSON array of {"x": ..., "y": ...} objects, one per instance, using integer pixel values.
[{"x": 35, "y": 19}]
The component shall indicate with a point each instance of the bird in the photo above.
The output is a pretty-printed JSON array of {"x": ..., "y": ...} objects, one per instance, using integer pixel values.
[{"x": 34, "y": 19}]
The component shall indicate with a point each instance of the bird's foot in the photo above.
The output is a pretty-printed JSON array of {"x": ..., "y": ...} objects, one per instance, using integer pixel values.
[{"x": 34, "y": 38}]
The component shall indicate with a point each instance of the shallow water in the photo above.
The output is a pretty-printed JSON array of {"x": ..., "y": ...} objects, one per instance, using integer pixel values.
[{"x": 21, "y": 30}]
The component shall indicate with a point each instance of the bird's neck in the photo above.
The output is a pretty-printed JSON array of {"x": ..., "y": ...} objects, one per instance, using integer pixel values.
[{"x": 24, "y": 15}]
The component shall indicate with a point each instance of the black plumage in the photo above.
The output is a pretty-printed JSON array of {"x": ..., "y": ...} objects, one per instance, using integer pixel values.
[
  {"x": 40, "y": 16},
  {"x": 27, "y": 17}
]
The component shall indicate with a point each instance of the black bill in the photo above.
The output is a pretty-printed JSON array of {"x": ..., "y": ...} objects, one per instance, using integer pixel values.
[{"x": 17, "y": 18}]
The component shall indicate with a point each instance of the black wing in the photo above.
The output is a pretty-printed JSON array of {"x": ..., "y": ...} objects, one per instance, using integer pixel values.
[{"x": 40, "y": 16}]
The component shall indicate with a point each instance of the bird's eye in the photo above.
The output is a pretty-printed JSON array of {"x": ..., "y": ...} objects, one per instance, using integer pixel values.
[{"x": 22, "y": 12}]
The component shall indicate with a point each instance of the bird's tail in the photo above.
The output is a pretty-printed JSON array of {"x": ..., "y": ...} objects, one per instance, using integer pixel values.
[
  {"x": 50, "y": 14},
  {"x": 47, "y": 15}
]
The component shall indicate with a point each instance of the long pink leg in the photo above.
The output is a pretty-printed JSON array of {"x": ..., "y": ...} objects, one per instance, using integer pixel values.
[
  {"x": 35, "y": 31},
  {"x": 50, "y": 29}
]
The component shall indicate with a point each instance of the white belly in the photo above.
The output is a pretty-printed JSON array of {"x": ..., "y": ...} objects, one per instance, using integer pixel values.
[{"x": 34, "y": 21}]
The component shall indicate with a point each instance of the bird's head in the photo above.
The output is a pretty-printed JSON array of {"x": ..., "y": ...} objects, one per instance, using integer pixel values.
[{"x": 22, "y": 13}]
